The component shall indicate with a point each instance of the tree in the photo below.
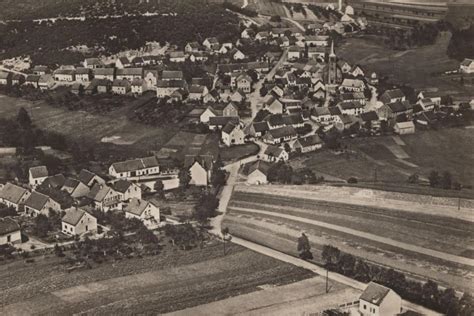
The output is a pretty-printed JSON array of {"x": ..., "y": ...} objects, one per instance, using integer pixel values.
[
  {"x": 225, "y": 232},
  {"x": 304, "y": 247},
  {"x": 446, "y": 180},
  {"x": 184, "y": 178},
  {"x": 23, "y": 119},
  {"x": 218, "y": 178},
  {"x": 159, "y": 188},
  {"x": 183, "y": 236},
  {"x": 430, "y": 294},
  {"x": 434, "y": 179},
  {"x": 263, "y": 91},
  {"x": 206, "y": 208},
  {"x": 413, "y": 178},
  {"x": 42, "y": 226},
  {"x": 331, "y": 256}
]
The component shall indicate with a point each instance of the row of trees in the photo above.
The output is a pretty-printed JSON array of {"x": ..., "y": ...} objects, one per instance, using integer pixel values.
[
  {"x": 284, "y": 173},
  {"x": 443, "y": 181},
  {"x": 428, "y": 294}
]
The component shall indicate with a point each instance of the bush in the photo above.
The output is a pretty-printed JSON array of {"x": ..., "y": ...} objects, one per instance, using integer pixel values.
[{"x": 352, "y": 180}]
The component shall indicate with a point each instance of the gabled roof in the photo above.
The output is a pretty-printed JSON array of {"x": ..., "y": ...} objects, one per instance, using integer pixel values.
[
  {"x": 33, "y": 78},
  {"x": 136, "y": 206},
  {"x": 121, "y": 83},
  {"x": 130, "y": 72},
  {"x": 374, "y": 293},
  {"x": 408, "y": 124},
  {"x": 36, "y": 200},
  {"x": 56, "y": 181},
  {"x": 12, "y": 193},
  {"x": 196, "y": 89},
  {"x": 223, "y": 120},
  {"x": 124, "y": 60},
  {"x": 98, "y": 192},
  {"x": 392, "y": 94},
  {"x": 93, "y": 61},
  {"x": 206, "y": 161},
  {"x": 8, "y": 225},
  {"x": 351, "y": 105},
  {"x": 293, "y": 119},
  {"x": 4, "y": 75},
  {"x": 39, "y": 172},
  {"x": 274, "y": 119},
  {"x": 310, "y": 141},
  {"x": 399, "y": 106},
  {"x": 285, "y": 131},
  {"x": 229, "y": 128},
  {"x": 467, "y": 62},
  {"x": 71, "y": 183},
  {"x": 261, "y": 166},
  {"x": 178, "y": 54},
  {"x": 82, "y": 71},
  {"x": 73, "y": 216},
  {"x": 273, "y": 151},
  {"x": 104, "y": 71},
  {"x": 171, "y": 83},
  {"x": 85, "y": 176},
  {"x": 122, "y": 185},
  {"x": 135, "y": 164},
  {"x": 369, "y": 116},
  {"x": 260, "y": 126}
]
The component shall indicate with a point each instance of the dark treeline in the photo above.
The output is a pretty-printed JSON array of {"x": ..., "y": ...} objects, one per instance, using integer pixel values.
[{"x": 462, "y": 44}]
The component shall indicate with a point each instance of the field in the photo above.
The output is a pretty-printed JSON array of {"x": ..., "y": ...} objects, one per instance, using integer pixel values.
[
  {"x": 390, "y": 160},
  {"x": 415, "y": 67},
  {"x": 238, "y": 152},
  {"x": 416, "y": 236},
  {"x": 173, "y": 280}
]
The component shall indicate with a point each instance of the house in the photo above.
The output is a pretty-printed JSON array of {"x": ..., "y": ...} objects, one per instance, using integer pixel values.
[
  {"x": 36, "y": 175},
  {"x": 393, "y": 95},
  {"x": 344, "y": 66},
  {"x": 231, "y": 109},
  {"x": 351, "y": 107},
  {"x": 211, "y": 43},
  {"x": 197, "y": 92},
  {"x": 129, "y": 74},
  {"x": 121, "y": 86},
  {"x": 404, "y": 128},
  {"x": 467, "y": 66},
  {"x": 75, "y": 188},
  {"x": 90, "y": 178},
  {"x": 357, "y": 71},
  {"x": 273, "y": 105},
  {"x": 127, "y": 189},
  {"x": 207, "y": 114},
  {"x": 165, "y": 88},
  {"x": 280, "y": 135},
  {"x": 83, "y": 74},
  {"x": 13, "y": 196},
  {"x": 308, "y": 144},
  {"x": 427, "y": 104},
  {"x": 352, "y": 85},
  {"x": 100, "y": 85},
  {"x": 257, "y": 129},
  {"x": 274, "y": 121},
  {"x": 76, "y": 88},
  {"x": 353, "y": 97},
  {"x": 317, "y": 52},
  {"x": 275, "y": 154},
  {"x": 344, "y": 121},
  {"x": 192, "y": 47},
  {"x": 258, "y": 172},
  {"x": 46, "y": 82},
  {"x": 66, "y": 75},
  {"x": 238, "y": 96},
  {"x": 295, "y": 53},
  {"x": 295, "y": 120},
  {"x": 432, "y": 95},
  {"x": 104, "y": 198},
  {"x": 172, "y": 75},
  {"x": 262, "y": 36},
  {"x": 211, "y": 97},
  {"x": 17, "y": 79},
  {"x": 5, "y": 78},
  {"x": 151, "y": 78},
  {"x": 378, "y": 300},
  {"x": 135, "y": 168},
  {"x": 391, "y": 111},
  {"x": 143, "y": 210},
  {"x": 77, "y": 222},
  {"x": 41, "y": 70},
  {"x": 218, "y": 122},
  {"x": 200, "y": 169},
  {"x": 247, "y": 33},
  {"x": 93, "y": 63},
  {"x": 177, "y": 57},
  {"x": 138, "y": 86},
  {"x": 54, "y": 182},
  {"x": 104, "y": 73},
  {"x": 236, "y": 54},
  {"x": 32, "y": 80},
  {"x": 427, "y": 118},
  {"x": 244, "y": 83},
  {"x": 10, "y": 232},
  {"x": 232, "y": 134},
  {"x": 39, "y": 203},
  {"x": 370, "y": 119},
  {"x": 316, "y": 40},
  {"x": 198, "y": 56},
  {"x": 138, "y": 61},
  {"x": 123, "y": 62}
]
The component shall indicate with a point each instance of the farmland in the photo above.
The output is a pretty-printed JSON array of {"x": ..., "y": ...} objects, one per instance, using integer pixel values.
[
  {"x": 418, "y": 66},
  {"x": 173, "y": 280},
  {"x": 276, "y": 217}
]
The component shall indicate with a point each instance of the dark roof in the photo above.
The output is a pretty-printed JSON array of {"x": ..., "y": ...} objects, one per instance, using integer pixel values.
[
  {"x": 369, "y": 116},
  {"x": 374, "y": 293},
  {"x": 223, "y": 120},
  {"x": 73, "y": 216},
  {"x": 334, "y": 110},
  {"x": 12, "y": 193},
  {"x": 351, "y": 105},
  {"x": 205, "y": 161},
  {"x": 39, "y": 172},
  {"x": 36, "y": 200},
  {"x": 392, "y": 94},
  {"x": 8, "y": 225},
  {"x": 56, "y": 181},
  {"x": 283, "y": 132},
  {"x": 293, "y": 119},
  {"x": 171, "y": 83},
  {"x": 121, "y": 185},
  {"x": 130, "y": 72},
  {"x": 71, "y": 183},
  {"x": 85, "y": 176},
  {"x": 229, "y": 127},
  {"x": 399, "y": 106},
  {"x": 274, "y": 119},
  {"x": 98, "y": 192},
  {"x": 310, "y": 141},
  {"x": 260, "y": 165},
  {"x": 171, "y": 74},
  {"x": 260, "y": 126},
  {"x": 135, "y": 164},
  {"x": 273, "y": 151},
  {"x": 136, "y": 206},
  {"x": 104, "y": 71}
]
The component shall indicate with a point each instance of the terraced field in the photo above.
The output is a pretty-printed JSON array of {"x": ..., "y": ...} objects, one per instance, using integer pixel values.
[{"x": 423, "y": 244}]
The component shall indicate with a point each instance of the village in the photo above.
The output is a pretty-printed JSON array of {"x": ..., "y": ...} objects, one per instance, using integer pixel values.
[{"x": 279, "y": 93}]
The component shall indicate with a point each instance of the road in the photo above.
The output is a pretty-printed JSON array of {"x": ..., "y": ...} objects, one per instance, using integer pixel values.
[
  {"x": 246, "y": 3},
  {"x": 255, "y": 98},
  {"x": 12, "y": 71},
  {"x": 297, "y": 24}
]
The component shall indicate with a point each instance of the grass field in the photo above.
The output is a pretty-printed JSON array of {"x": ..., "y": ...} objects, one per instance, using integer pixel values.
[
  {"x": 173, "y": 280},
  {"x": 415, "y": 67},
  {"x": 238, "y": 152},
  {"x": 447, "y": 235}
]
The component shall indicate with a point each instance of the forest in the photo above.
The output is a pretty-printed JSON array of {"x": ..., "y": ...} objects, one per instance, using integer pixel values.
[{"x": 112, "y": 35}]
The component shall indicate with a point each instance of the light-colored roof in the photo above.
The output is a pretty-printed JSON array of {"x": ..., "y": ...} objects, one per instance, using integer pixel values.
[
  {"x": 135, "y": 164},
  {"x": 39, "y": 172},
  {"x": 73, "y": 216},
  {"x": 36, "y": 200},
  {"x": 136, "y": 206},
  {"x": 12, "y": 193}
]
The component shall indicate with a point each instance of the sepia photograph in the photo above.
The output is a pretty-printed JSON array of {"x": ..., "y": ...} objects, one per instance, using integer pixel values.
[{"x": 237, "y": 157}]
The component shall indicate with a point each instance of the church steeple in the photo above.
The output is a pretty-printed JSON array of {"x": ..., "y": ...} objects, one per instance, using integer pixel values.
[
  {"x": 332, "y": 66},
  {"x": 332, "y": 53}
]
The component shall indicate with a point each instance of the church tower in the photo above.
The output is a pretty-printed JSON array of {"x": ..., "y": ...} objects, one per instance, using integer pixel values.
[{"x": 332, "y": 66}]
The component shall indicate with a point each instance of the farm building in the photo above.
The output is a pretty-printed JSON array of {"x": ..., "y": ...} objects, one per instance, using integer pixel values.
[
  {"x": 258, "y": 172},
  {"x": 135, "y": 168},
  {"x": 403, "y": 128},
  {"x": 10, "y": 232},
  {"x": 13, "y": 196}
]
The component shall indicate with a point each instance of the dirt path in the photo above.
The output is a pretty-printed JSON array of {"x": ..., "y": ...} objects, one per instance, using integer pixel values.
[{"x": 369, "y": 236}]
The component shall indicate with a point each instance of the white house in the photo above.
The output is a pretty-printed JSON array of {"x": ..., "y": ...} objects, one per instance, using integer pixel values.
[
  {"x": 200, "y": 168},
  {"x": 308, "y": 144},
  {"x": 38, "y": 203},
  {"x": 232, "y": 134},
  {"x": 123, "y": 62},
  {"x": 90, "y": 178},
  {"x": 258, "y": 172},
  {"x": 467, "y": 66},
  {"x": 36, "y": 175},
  {"x": 378, "y": 300},
  {"x": 274, "y": 153},
  {"x": 78, "y": 222},
  {"x": 13, "y": 196},
  {"x": 403, "y": 128},
  {"x": 75, "y": 188},
  {"x": 105, "y": 198},
  {"x": 135, "y": 168},
  {"x": 138, "y": 86},
  {"x": 145, "y": 211},
  {"x": 127, "y": 189},
  {"x": 121, "y": 86},
  {"x": 10, "y": 232}
]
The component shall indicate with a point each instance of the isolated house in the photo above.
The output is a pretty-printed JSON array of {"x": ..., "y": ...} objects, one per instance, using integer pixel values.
[
  {"x": 404, "y": 128},
  {"x": 200, "y": 169},
  {"x": 467, "y": 66},
  {"x": 10, "y": 232},
  {"x": 77, "y": 222},
  {"x": 232, "y": 134},
  {"x": 258, "y": 172},
  {"x": 378, "y": 300},
  {"x": 13, "y": 196},
  {"x": 5, "y": 78}
]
